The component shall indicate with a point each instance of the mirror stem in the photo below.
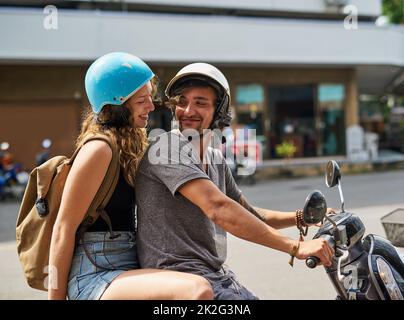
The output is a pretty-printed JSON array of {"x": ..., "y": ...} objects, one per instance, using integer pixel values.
[
  {"x": 331, "y": 221},
  {"x": 341, "y": 196}
]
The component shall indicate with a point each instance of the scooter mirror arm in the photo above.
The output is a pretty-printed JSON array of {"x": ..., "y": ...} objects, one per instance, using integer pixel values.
[
  {"x": 331, "y": 221},
  {"x": 341, "y": 195}
]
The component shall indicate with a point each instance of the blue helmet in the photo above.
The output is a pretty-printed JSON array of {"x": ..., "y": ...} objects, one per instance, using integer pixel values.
[{"x": 114, "y": 78}]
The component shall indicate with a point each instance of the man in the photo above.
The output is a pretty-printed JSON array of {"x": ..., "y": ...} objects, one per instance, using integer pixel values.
[{"x": 188, "y": 200}]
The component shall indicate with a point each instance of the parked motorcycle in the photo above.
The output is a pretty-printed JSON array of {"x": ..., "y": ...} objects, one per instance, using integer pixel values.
[
  {"x": 364, "y": 268},
  {"x": 44, "y": 155},
  {"x": 13, "y": 179}
]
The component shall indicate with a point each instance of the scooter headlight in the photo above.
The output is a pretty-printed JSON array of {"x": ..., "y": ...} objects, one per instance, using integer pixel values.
[{"x": 387, "y": 277}]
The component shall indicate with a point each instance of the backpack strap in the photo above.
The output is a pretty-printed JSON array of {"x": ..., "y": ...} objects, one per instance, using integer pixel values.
[
  {"x": 107, "y": 186},
  {"x": 103, "y": 195}
]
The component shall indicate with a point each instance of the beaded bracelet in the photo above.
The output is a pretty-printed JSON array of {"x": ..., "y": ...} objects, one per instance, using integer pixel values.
[{"x": 301, "y": 225}]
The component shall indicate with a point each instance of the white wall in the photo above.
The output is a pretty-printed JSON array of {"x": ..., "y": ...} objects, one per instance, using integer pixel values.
[
  {"x": 365, "y": 7},
  {"x": 84, "y": 35}
]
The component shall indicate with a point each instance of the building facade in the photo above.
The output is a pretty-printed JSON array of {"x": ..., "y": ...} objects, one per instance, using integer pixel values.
[{"x": 296, "y": 68}]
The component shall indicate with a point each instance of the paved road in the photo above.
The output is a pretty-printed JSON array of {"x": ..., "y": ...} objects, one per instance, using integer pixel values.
[{"x": 264, "y": 271}]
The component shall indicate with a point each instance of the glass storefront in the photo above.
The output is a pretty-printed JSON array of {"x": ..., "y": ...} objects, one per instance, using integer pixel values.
[
  {"x": 331, "y": 122},
  {"x": 291, "y": 110},
  {"x": 250, "y": 110},
  {"x": 311, "y": 117}
]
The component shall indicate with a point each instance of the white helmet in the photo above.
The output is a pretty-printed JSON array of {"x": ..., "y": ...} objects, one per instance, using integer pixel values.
[{"x": 213, "y": 76}]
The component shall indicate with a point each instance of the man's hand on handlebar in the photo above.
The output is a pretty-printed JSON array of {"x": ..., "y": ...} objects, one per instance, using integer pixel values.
[{"x": 319, "y": 248}]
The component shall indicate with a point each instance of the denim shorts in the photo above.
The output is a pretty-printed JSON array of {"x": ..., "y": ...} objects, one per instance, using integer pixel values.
[
  {"x": 226, "y": 287},
  {"x": 88, "y": 282}
]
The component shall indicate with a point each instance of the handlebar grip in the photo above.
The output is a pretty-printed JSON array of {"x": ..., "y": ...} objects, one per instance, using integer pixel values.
[{"x": 312, "y": 262}]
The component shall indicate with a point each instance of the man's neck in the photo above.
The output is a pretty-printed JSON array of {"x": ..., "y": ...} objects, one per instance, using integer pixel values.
[{"x": 200, "y": 143}]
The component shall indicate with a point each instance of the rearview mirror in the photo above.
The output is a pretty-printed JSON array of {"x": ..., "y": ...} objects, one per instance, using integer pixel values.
[
  {"x": 315, "y": 208},
  {"x": 332, "y": 174}
]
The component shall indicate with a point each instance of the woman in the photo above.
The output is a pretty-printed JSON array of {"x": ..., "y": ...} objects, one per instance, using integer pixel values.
[{"x": 119, "y": 88}]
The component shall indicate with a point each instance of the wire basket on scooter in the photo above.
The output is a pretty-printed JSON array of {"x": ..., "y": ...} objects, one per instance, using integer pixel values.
[{"x": 393, "y": 224}]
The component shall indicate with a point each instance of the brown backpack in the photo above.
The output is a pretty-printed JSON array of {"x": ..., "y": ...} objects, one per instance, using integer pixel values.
[{"x": 40, "y": 206}]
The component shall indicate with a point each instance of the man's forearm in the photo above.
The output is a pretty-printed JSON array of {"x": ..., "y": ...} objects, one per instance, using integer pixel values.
[
  {"x": 275, "y": 219},
  {"x": 236, "y": 220}
]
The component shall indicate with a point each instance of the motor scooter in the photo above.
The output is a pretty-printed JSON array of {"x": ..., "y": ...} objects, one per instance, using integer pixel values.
[{"x": 364, "y": 268}]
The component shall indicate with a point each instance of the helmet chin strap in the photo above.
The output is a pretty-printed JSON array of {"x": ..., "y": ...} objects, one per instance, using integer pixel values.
[{"x": 221, "y": 118}]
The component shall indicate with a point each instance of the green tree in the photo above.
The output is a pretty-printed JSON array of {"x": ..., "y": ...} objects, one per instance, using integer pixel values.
[{"x": 394, "y": 9}]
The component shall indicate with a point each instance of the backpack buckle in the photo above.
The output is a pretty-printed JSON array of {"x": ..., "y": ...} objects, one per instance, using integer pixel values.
[{"x": 42, "y": 207}]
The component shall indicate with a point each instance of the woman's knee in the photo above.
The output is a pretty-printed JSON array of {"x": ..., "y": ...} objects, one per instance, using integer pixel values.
[{"x": 203, "y": 290}]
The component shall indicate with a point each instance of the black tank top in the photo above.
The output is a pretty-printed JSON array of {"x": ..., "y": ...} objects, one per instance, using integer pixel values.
[{"x": 120, "y": 209}]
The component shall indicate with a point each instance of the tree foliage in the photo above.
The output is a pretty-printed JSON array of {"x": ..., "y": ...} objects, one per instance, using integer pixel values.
[{"x": 394, "y": 9}]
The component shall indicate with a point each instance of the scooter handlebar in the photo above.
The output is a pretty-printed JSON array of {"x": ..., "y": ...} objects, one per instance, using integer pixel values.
[{"x": 313, "y": 261}]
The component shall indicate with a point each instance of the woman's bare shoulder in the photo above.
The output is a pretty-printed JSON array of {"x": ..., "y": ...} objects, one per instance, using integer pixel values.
[
  {"x": 97, "y": 148},
  {"x": 95, "y": 155}
]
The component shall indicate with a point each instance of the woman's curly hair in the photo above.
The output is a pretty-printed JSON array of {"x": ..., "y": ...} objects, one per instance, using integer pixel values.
[
  {"x": 131, "y": 141},
  {"x": 117, "y": 122}
]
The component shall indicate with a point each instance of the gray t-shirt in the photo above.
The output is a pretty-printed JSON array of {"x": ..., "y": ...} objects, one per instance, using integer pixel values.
[{"x": 173, "y": 233}]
